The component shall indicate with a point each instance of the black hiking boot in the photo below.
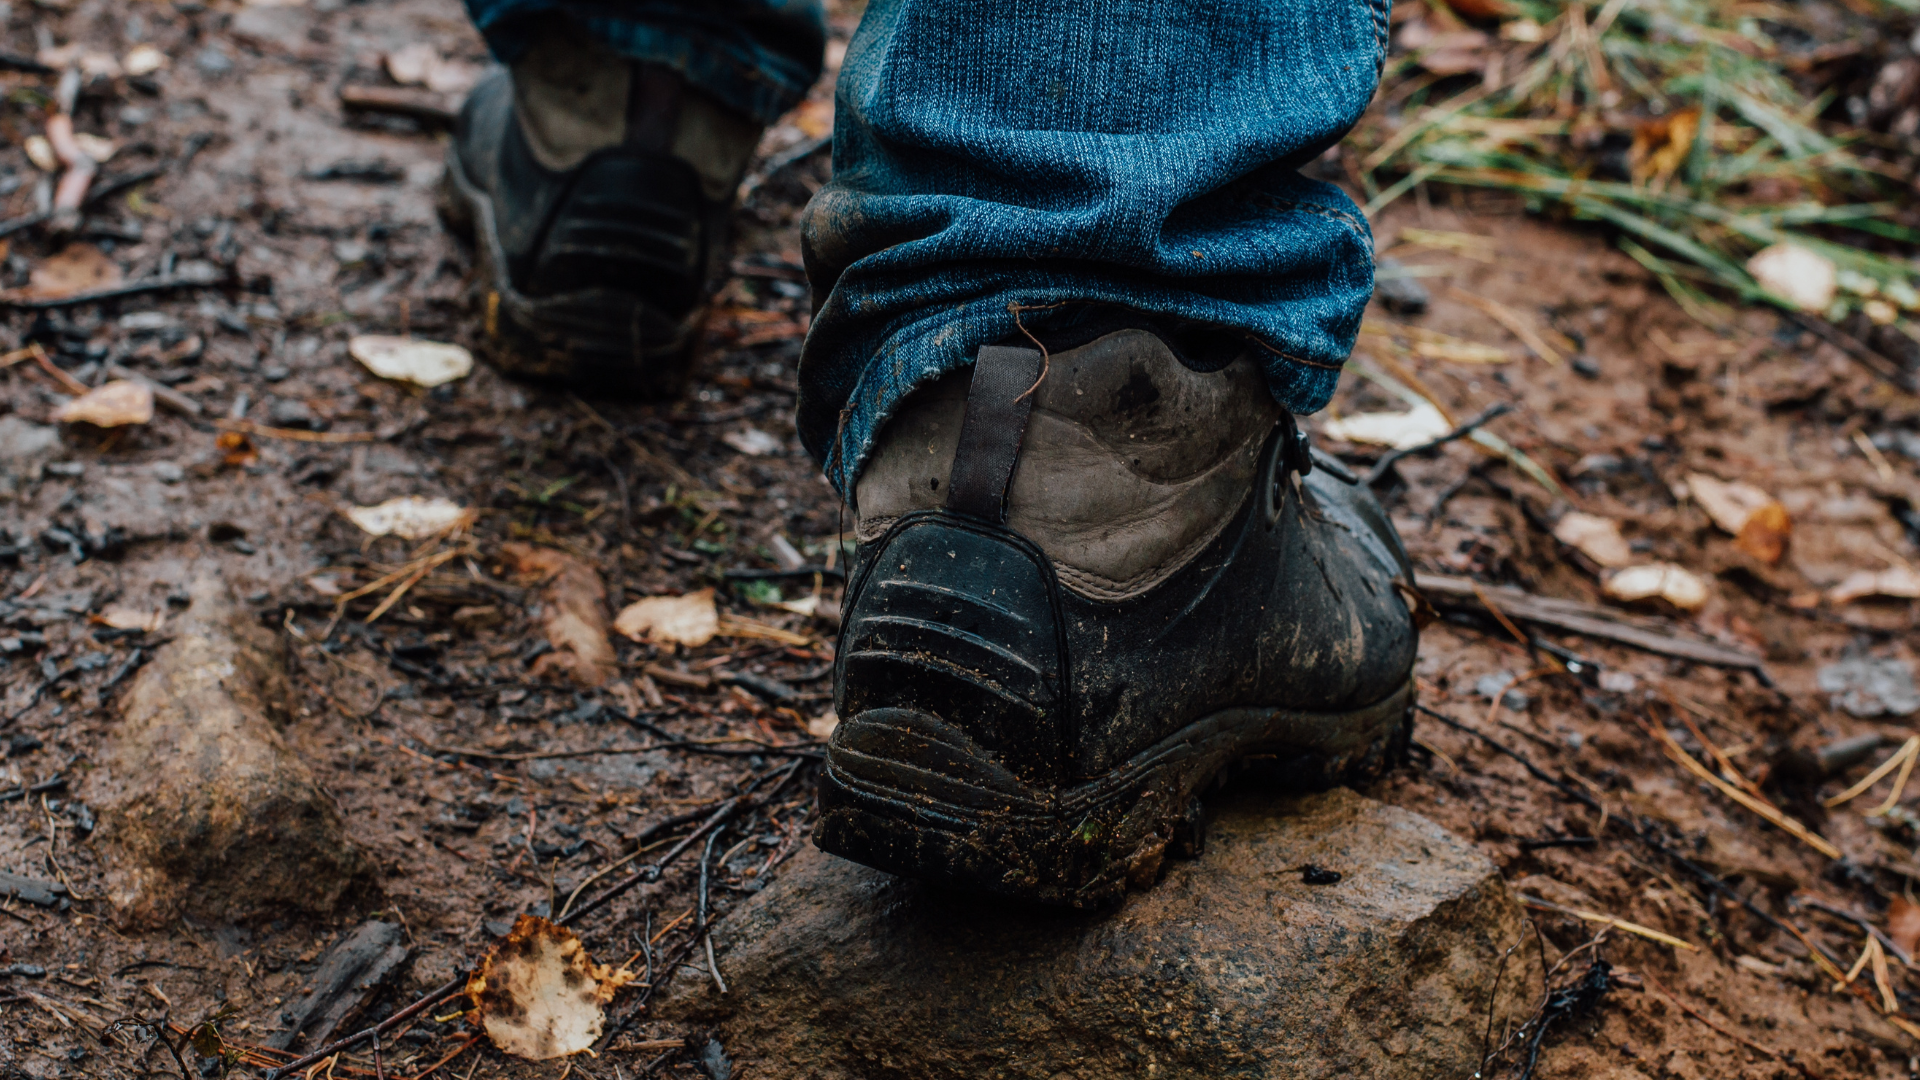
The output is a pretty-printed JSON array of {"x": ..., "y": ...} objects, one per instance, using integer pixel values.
[
  {"x": 1074, "y": 610},
  {"x": 597, "y": 193}
]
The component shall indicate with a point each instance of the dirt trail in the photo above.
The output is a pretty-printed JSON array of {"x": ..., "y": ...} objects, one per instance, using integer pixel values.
[{"x": 429, "y": 728}]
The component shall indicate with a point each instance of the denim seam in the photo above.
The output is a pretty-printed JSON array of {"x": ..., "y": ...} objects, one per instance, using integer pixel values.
[{"x": 1285, "y": 355}]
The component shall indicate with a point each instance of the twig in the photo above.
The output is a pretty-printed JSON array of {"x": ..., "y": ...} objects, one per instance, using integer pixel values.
[
  {"x": 248, "y": 427},
  {"x": 1608, "y": 920},
  {"x": 1765, "y": 809},
  {"x": 1392, "y": 457},
  {"x": 706, "y": 924},
  {"x": 1894, "y": 761},
  {"x": 156, "y": 283}
]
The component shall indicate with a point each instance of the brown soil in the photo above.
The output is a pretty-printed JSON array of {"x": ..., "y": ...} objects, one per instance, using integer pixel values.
[{"x": 658, "y": 500}]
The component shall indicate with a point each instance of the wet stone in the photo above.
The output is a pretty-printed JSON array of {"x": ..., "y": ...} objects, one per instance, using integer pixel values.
[
  {"x": 1236, "y": 964},
  {"x": 204, "y": 808}
]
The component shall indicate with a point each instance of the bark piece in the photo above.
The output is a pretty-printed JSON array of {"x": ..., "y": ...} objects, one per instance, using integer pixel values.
[
  {"x": 1641, "y": 632},
  {"x": 1231, "y": 966},
  {"x": 352, "y": 971},
  {"x": 204, "y": 808},
  {"x": 32, "y": 890}
]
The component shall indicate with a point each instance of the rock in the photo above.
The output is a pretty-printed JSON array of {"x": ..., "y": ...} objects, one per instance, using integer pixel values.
[
  {"x": 204, "y": 809},
  {"x": 1870, "y": 686},
  {"x": 24, "y": 449},
  {"x": 350, "y": 974},
  {"x": 1398, "y": 290},
  {"x": 1231, "y": 966}
]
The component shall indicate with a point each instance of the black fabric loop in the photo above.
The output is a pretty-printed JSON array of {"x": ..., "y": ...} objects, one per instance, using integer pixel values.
[{"x": 999, "y": 402}]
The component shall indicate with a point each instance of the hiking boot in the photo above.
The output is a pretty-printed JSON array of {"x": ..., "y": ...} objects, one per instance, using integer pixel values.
[
  {"x": 598, "y": 193},
  {"x": 1074, "y": 608}
]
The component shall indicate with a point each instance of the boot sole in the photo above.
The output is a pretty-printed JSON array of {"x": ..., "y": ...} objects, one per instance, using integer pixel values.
[
  {"x": 605, "y": 339},
  {"x": 905, "y": 792}
]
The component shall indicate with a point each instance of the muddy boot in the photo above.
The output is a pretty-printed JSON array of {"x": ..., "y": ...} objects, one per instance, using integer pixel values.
[
  {"x": 1074, "y": 609},
  {"x": 598, "y": 193}
]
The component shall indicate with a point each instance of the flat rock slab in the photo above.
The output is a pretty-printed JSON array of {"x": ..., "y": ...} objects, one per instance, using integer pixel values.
[{"x": 1232, "y": 966}]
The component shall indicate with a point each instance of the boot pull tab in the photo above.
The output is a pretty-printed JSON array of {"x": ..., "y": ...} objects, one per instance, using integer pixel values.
[{"x": 999, "y": 401}]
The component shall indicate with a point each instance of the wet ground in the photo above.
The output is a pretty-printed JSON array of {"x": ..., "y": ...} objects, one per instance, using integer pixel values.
[{"x": 319, "y": 224}]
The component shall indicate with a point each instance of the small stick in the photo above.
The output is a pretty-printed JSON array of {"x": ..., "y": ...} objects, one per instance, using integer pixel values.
[
  {"x": 248, "y": 427},
  {"x": 1608, "y": 920},
  {"x": 1765, "y": 809},
  {"x": 1894, "y": 761},
  {"x": 706, "y": 925},
  {"x": 1392, "y": 457}
]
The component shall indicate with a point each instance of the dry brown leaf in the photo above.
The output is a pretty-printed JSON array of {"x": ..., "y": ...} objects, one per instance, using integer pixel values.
[
  {"x": 538, "y": 995},
  {"x": 236, "y": 450},
  {"x": 1596, "y": 537},
  {"x": 116, "y": 404},
  {"x": 689, "y": 620},
  {"x": 1661, "y": 144},
  {"x": 412, "y": 517},
  {"x": 1658, "y": 581},
  {"x": 1728, "y": 504},
  {"x": 1766, "y": 533},
  {"x": 409, "y": 359},
  {"x": 1897, "y": 583},
  {"x": 1903, "y": 924},
  {"x": 574, "y": 609},
  {"x": 119, "y": 617},
  {"x": 76, "y": 269}
]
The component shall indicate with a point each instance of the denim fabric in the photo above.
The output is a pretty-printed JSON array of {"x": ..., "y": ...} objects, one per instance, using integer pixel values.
[
  {"x": 1025, "y": 163},
  {"x": 758, "y": 56}
]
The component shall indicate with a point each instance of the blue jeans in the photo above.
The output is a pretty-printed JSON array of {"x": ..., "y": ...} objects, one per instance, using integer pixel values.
[{"x": 1034, "y": 166}]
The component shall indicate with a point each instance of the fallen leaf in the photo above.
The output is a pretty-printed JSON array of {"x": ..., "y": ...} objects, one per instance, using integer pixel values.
[
  {"x": 408, "y": 64},
  {"x": 1728, "y": 504},
  {"x": 538, "y": 995},
  {"x": 1766, "y": 533},
  {"x": 1596, "y": 537},
  {"x": 822, "y": 726},
  {"x": 118, "y": 617},
  {"x": 1661, "y": 144},
  {"x": 412, "y": 517},
  {"x": 574, "y": 609},
  {"x": 1658, "y": 581},
  {"x": 420, "y": 64},
  {"x": 92, "y": 63},
  {"x": 116, "y": 404},
  {"x": 40, "y": 151},
  {"x": 236, "y": 450},
  {"x": 753, "y": 442},
  {"x": 76, "y": 269},
  {"x": 143, "y": 60},
  {"x": 1903, "y": 924},
  {"x": 408, "y": 359},
  {"x": 689, "y": 620},
  {"x": 1398, "y": 430},
  {"x": 96, "y": 147},
  {"x": 1806, "y": 279},
  {"x": 1897, "y": 583}
]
